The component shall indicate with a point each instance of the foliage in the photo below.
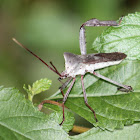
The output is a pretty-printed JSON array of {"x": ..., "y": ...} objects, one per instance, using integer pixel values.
[
  {"x": 19, "y": 119},
  {"x": 113, "y": 108},
  {"x": 124, "y": 38},
  {"x": 37, "y": 87},
  {"x": 128, "y": 133}
]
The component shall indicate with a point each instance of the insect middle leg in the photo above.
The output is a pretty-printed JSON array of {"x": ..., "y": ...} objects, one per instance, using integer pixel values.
[{"x": 85, "y": 98}]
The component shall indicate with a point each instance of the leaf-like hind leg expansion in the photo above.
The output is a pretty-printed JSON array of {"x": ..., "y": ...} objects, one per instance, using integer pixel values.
[
  {"x": 65, "y": 98},
  {"x": 85, "y": 98},
  {"x": 127, "y": 88}
]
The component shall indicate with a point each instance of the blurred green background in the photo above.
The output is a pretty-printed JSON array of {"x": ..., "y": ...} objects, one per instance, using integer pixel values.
[{"x": 49, "y": 28}]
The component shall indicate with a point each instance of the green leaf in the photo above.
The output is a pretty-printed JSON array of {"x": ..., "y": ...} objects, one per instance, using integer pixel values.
[
  {"x": 124, "y": 38},
  {"x": 69, "y": 119},
  {"x": 114, "y": 109},
  {"x": 37, "y": 87},
  {"x": 128, "y": 133},
  {"x": 41, "y": 85},
  {"x": 57, "y": 115},
  {"x": 19, "y": 119}
]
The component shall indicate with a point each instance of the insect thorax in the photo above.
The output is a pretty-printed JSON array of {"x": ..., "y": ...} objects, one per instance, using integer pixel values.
[{"x": 79, "y": 64}]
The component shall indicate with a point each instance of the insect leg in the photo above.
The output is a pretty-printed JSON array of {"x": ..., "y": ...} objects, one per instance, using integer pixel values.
[
  {"x": 96, "y": 22},
  {"x": 128, "y": 88},
  {"x": 82, "y": 41},
  {"x": 92, "y": 22},
  {"x": 64, "y": 85},
  {"x": 85, "y": 98},
  {"x": 65, "y": 98}
]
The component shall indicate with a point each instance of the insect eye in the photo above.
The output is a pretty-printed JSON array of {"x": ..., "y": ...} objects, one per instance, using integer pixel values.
[{"x": 59, "y": 78}]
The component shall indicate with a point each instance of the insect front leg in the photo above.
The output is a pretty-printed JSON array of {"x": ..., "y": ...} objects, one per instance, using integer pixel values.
[
  {"x": 124, "y": 88},
  {"x": 65, "y": 98},
  {"x": 85, "y": 98},
  {"x": 64, "y": 85}
]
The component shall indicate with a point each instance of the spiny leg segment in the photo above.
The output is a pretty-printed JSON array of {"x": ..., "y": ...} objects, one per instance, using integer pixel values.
[
  {"x": 85, "y": 98},
  {"x": 127, "y": 88},
  {"x": 65, "y": 98},
  {"x": 64, "y": 85}
]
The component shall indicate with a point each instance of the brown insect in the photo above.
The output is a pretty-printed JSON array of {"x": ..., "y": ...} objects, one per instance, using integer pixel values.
[{"x": 81, "y": 64}]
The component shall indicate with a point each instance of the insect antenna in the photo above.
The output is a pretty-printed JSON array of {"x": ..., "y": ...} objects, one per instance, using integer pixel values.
[{"x": 53, "y": 69}]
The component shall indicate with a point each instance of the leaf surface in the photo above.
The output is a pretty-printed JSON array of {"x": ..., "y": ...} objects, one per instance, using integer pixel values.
[
  {"x": 128, "y": 133},
  {"x": 123, "y": 38},
  {"x": 113, "y": 108},
  {"x": 19, "y": 119},
  {"x": 37, "y": 87}
]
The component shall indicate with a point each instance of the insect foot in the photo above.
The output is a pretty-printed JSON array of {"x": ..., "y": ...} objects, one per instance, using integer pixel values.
[{"x": 127, "y": 89}]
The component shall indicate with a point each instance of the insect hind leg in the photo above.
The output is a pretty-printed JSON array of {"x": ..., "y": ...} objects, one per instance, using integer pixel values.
[
  {"x": 123, "y": 88},
  {"x": 93, "y": 22}
]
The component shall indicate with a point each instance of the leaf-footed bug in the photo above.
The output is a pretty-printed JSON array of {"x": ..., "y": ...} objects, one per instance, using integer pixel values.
[{"x": 81, "y": 64}]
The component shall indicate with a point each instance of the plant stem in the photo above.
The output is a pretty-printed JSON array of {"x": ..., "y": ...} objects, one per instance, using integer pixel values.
[
  {"x": 79, "y": 129},
  {"x": 30, "y": 97}
]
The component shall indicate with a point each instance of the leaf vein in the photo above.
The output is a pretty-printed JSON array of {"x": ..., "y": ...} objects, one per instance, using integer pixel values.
[
  {"x": 13, "y": 130},
  {"x": 119, "y": 40}
]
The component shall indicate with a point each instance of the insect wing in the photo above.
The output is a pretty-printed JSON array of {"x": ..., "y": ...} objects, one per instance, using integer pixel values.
[{"x": 103, "y": 57}]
